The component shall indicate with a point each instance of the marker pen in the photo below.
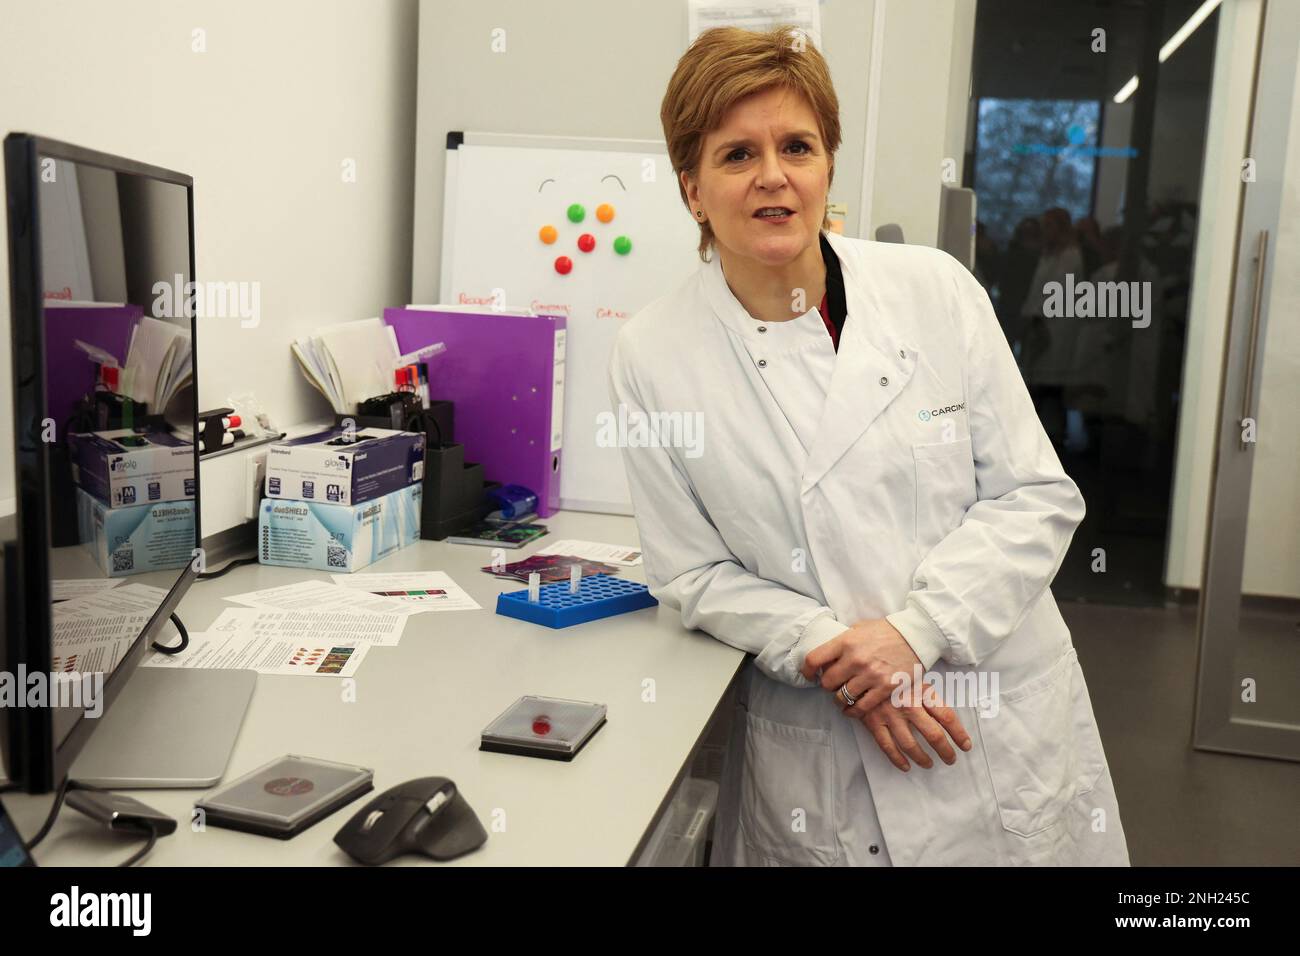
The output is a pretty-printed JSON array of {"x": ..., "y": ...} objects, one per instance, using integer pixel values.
[{"x": 227, "y": 421}]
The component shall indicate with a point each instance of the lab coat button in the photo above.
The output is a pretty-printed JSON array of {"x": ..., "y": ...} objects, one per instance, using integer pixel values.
[
  {"x": 902, "y": 354},
  {"x": 762, "y": 363},
  {"x": 883, "y": 380},
  {"x": 762, "y": 328},
  {"x": 873, "y": 849}
]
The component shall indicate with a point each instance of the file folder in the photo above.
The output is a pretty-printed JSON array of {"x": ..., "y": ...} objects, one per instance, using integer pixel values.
[{"x": 505, "y": 375}]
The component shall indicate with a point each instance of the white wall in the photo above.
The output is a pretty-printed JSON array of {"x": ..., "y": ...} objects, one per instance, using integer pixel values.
[
  {"x": 263, "y": 121},
  {"x": 601, "y": 68},
  {"x": 923, "y": 98}
]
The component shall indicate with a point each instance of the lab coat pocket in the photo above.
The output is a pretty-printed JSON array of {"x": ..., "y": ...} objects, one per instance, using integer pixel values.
[
  {"x": 945, "y": 488},
  {"x": 787, "y": 812},
  {"x": 1042, "y": 748}
]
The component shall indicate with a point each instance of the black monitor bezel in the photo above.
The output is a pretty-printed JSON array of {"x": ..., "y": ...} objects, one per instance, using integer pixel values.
[{"x": 35, "y": 761}]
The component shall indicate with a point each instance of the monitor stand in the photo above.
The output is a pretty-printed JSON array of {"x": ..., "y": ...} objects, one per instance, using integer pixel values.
[{"x": 167, "y": 729}]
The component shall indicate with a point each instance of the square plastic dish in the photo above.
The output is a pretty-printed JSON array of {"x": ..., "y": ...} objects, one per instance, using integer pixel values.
[
  {"x": 600, "y": 595},
  {"x": 547, "y": 727}
]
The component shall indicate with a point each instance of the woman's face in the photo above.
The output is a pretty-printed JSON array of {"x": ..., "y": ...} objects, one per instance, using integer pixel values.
[{"x": 766, "y": 153}]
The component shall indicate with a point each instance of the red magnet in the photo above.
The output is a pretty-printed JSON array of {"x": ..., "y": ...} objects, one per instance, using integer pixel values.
[
  {"x": 563, "y": 264},
  {"x": 586, "y": 242}
]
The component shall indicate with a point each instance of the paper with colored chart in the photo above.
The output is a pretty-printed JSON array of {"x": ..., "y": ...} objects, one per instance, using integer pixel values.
[
  {"x": 421, "y": 590},
  {"x": 321, "y": 627},
  {"x": 318, "y": 595},
  {"x": 264, "y": 653},
  {"x": 94, "y": 644}
]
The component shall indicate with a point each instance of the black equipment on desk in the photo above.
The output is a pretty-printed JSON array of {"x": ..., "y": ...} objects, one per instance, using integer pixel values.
[
  {"x": 92, "y": 238},
  {"x": 400, "y": 411},
  {"x": 286, "y": 796},
  {"x": 454, "y": 493},
  {"x": 426, "y": 816},
  {"x": 120, "y": 812}
]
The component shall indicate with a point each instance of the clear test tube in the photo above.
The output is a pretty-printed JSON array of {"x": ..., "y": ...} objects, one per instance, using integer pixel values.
[
  {"x": 575, "y": 575},
  {"x": 534, "y": 587}
]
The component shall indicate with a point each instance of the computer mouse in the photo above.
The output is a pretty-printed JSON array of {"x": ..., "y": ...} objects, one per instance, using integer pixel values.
[{"x": 427, "y": 816}]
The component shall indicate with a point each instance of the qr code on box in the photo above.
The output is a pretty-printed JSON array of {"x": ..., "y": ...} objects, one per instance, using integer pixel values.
[
  {"x": 335, "y": 556},
  {"x": 124, "y": 560}
]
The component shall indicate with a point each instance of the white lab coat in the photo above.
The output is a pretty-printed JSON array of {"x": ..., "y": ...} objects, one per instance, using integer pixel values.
[{"x": 773, "y": 538}]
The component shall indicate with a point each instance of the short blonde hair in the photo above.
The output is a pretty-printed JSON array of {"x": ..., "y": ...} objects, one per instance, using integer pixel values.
[{"x": 723, "y": 66}]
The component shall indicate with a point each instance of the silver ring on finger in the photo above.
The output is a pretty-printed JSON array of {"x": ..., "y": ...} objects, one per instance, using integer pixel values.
[{"x": 848, "y": 699}]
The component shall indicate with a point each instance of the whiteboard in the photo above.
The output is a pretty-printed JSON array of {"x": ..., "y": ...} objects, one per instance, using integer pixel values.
[{"x": 500, "y": 190}]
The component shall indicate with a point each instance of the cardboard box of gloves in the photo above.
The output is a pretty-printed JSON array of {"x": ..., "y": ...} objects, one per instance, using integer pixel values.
[
  {"x": 135, "y": 499},
  {"x": 339, "y": 501}
]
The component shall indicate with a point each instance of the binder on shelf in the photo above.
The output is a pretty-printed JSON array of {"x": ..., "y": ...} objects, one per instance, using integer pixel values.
[{"x": 505, "y": 374}]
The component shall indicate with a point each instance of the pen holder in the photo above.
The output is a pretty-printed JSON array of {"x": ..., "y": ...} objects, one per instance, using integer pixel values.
[
  {"x": 454, "y": 494},
  {"x": 396, "y": 412},
  {"x": 212, "y": 430},
  {"x": 110, "y": 411}
]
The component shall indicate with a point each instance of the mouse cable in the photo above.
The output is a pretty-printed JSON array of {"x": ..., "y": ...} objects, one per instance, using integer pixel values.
[
  {"x": 225, "y": 569},
  {"x": 144, "y": 850},
  {"x": 185, "y": 639},
  {"x": 59, "y": 799},
  {"x": 59, "y": 796}
]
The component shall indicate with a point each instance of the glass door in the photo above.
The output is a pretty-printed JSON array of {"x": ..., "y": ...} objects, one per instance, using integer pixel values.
[
  {"x": 1088, "y": 185},
  {"x": 1248, "y": 672}
]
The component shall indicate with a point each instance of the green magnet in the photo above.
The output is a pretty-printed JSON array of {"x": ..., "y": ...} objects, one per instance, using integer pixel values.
[
  {"x": 622, "y": 245},
  {"x": 576, "y": 213}
]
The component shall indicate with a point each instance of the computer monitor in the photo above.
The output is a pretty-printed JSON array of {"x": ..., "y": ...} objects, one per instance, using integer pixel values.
[{"x": 101, "y": 251}]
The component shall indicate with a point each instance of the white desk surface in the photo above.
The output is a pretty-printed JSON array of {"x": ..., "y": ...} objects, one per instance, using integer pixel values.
[{"x": 420, "y": 707}]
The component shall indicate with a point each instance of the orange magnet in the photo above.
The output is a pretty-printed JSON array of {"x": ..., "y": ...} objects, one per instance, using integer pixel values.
[
  {"x": 547, "y": 234},
  {"x": 604, "y": 212}
]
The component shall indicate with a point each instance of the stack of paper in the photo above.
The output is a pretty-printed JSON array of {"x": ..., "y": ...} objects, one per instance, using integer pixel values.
[
  {"x": 349, "y": 362},
  {"x": 93, "y": 632},
  {"x": 158, "y": 363}
]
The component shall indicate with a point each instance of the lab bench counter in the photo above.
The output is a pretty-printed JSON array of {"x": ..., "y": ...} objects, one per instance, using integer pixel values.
[{"x": 418, "y": 709}]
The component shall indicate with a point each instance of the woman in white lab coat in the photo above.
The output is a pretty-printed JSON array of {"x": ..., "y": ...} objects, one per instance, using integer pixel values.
[{"x": 871, "y": 494}]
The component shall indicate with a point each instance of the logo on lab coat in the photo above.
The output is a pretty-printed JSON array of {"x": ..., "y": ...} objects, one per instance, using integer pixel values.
[{"x": 926, "y": 414}]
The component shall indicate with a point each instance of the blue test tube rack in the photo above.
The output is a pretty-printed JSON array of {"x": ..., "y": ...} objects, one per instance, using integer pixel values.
[{"x": 599, "y": 595}]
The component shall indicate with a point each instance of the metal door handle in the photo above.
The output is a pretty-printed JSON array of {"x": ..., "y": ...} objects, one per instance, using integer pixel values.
[{"x": 1248, "y": 386}]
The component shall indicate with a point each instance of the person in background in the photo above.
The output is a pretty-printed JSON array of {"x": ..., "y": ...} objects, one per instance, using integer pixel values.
[
  {"x": 1048, "y": 354},
  {"x": 1018, "y": 266}
]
